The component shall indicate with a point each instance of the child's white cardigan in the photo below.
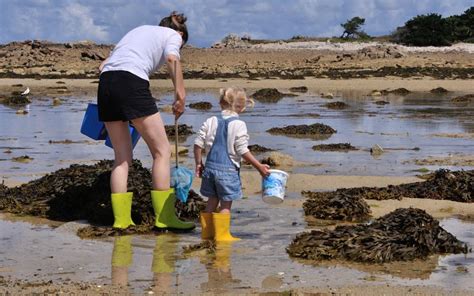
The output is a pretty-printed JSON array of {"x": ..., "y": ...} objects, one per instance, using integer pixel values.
[{"x": 237, "y": 136}]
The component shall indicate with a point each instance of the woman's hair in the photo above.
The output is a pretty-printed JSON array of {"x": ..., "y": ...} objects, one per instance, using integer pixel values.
[
  {"x": 176, "y": 21},
  {"x": 235, "y": 99}
]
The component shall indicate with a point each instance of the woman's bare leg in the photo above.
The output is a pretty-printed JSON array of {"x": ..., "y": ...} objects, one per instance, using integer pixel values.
[
  {"x": 121, "y": 141},
  {"x": 152, "y": 130}
]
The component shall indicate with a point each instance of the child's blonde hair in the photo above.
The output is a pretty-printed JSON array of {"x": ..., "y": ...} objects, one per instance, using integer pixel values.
[{"x": 234, "y": 98}]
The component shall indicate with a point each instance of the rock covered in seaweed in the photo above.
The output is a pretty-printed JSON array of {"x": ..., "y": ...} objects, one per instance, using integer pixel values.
[
  {"x": 337, "y": 207},
  {"x": 269, "y": 95},
  {"x": 82, "y": 192},
  {"x": 443, "y": 184},
  {"x": 402, "y": 235},
  {"x": 344, "y": 147},
  {"x": 201, "y": 106},
  {"x": 183, "y": 130},
  {"x": 336, "y": 105},
  {"x": 304, "y": 129}
]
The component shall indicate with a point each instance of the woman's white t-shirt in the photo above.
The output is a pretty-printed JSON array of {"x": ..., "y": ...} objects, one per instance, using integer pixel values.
[{"x": 143, "y": 50}]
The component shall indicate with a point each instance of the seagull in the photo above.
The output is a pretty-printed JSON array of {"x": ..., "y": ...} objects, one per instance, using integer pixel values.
[{"x": 26, "y": 92}]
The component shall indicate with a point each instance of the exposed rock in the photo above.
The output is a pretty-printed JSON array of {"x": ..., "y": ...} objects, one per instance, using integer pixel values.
[
  {"x": 327, "y": 95},
  {"x": 277, "y": 159},
  {"x": 375, "y": 93},
  {"x": 381, "y": 102},
  {"x": 57, "y": 101},
  {"x": 376, "y": 150},
  {"x": 16, "y": 100}
]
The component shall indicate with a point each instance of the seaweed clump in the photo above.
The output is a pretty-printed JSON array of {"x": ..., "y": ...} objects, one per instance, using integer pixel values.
[
  {"x": 258, "y": 149},
  {"x": 334, "y": 147},
  {"x": 441, "y": 185},
  {"x": 338, "y": 207},
  {"x": 398, "y": 91},
  {"x": 402, "y": 235},
  {"x": 303, "y": 129},
  {"x": 269, "y": 95},
  {"x": 183, "y": 130},
  {"x": 300, "y": 89},
  {"x": 201, "y": 106},
  {"x": 463, "y": 99},
  {"x": 336, "y": 105},
  {"x": 82, "y": 192}
]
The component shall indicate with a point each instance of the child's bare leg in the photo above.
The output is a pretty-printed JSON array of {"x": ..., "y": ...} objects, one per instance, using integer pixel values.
[
  {"x": 225, "y": 207},
  {"x": 212, "y": 203}
]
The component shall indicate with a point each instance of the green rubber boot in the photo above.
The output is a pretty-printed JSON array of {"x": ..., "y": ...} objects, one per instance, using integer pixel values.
[
  {"x": 165, "y": 214},
  {"x": 122, "y": 253},
  {"x": 122, "y": 208}
]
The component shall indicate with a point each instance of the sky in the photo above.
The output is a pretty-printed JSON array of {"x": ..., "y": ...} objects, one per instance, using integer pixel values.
[{"x": 106, "y": 21}]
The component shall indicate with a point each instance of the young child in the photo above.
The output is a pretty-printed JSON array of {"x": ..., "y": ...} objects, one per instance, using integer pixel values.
[{"x": 225, "y": 139}]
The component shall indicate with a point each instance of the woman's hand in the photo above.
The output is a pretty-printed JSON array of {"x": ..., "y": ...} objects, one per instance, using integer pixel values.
[{"x": 178, "y": 108}]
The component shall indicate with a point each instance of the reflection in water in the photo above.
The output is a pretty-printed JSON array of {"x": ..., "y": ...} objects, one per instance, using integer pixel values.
[
  {"x": 122, "y": 257},
  {"x": 218, "y": 267},
  {"x": 163, "y": 265}
]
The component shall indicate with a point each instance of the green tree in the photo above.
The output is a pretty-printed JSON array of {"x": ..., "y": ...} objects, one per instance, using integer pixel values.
[
  {"x": 425, "y": 30},
  {"x": 352, "y": 28},
  {"x": 462, "y": 26}
]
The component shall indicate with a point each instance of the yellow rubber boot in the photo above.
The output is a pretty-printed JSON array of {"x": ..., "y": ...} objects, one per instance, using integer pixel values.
[
  {"x": 165, "y": 254},
  {"x": 122, "y": 253},
  {"x": 165, "y": 213},
  {"x": 122, "y": 208},
  {"x": 207, "y": 226},
  {"x": 222, "y": 227}
]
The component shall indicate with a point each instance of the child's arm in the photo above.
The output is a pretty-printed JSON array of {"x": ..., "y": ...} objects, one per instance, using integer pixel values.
[
  {"x": 263, "y": 169},
  {"x": 198, "y": 161}
]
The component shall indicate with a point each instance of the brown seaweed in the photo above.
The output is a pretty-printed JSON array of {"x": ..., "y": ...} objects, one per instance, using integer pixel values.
[{"x": 402, "y": 235}]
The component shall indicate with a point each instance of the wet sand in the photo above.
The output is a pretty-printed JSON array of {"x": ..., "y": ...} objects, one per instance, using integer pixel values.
[{"x": 330, "y": 280}]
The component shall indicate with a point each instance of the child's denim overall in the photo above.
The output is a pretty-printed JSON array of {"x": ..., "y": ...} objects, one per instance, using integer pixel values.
[{"x": 221, "y": 177}]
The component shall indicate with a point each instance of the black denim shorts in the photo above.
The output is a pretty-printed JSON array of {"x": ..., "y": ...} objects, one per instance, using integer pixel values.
[{"x": 124, "y": 96}]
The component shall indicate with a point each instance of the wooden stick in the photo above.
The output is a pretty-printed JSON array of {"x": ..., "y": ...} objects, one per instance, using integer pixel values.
[{"x": 175, "y": 118}]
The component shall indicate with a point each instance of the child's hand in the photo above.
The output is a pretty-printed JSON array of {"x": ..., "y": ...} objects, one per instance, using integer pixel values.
[
  {"x": 264, "y": 170},
  {"x": 199, "y": 170}
]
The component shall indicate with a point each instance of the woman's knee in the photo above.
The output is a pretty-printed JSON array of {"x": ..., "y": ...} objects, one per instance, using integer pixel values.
[
  {"x": 161, "y": 151},
  {"x": 123, "y": 164}
]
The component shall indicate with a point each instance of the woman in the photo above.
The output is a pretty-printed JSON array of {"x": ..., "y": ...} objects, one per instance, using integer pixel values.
[{"x": 124, "y": 96}]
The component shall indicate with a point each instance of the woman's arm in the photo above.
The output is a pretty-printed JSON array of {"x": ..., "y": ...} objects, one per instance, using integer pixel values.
[
  {"x": 103, "y": 64},
  {"x": 176, "y": 73}
]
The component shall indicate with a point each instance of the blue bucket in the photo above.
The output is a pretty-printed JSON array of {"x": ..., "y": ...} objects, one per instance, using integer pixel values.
[
  {"x": 133, "y": 133},
  {"x": 91, "y": 126},
  {"x": 273, "y": 187}
]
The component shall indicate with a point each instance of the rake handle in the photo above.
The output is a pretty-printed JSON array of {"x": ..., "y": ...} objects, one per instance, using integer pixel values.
[{"x": 175, "y": 119}]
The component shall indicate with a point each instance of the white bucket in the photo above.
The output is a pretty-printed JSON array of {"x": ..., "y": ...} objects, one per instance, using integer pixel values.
[{"x": 273, "y": 187}]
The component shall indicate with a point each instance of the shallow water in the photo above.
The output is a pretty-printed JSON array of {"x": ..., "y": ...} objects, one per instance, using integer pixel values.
[
  {"x": 257, "y": 262},
  {"x": 407, "y": 122}
]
